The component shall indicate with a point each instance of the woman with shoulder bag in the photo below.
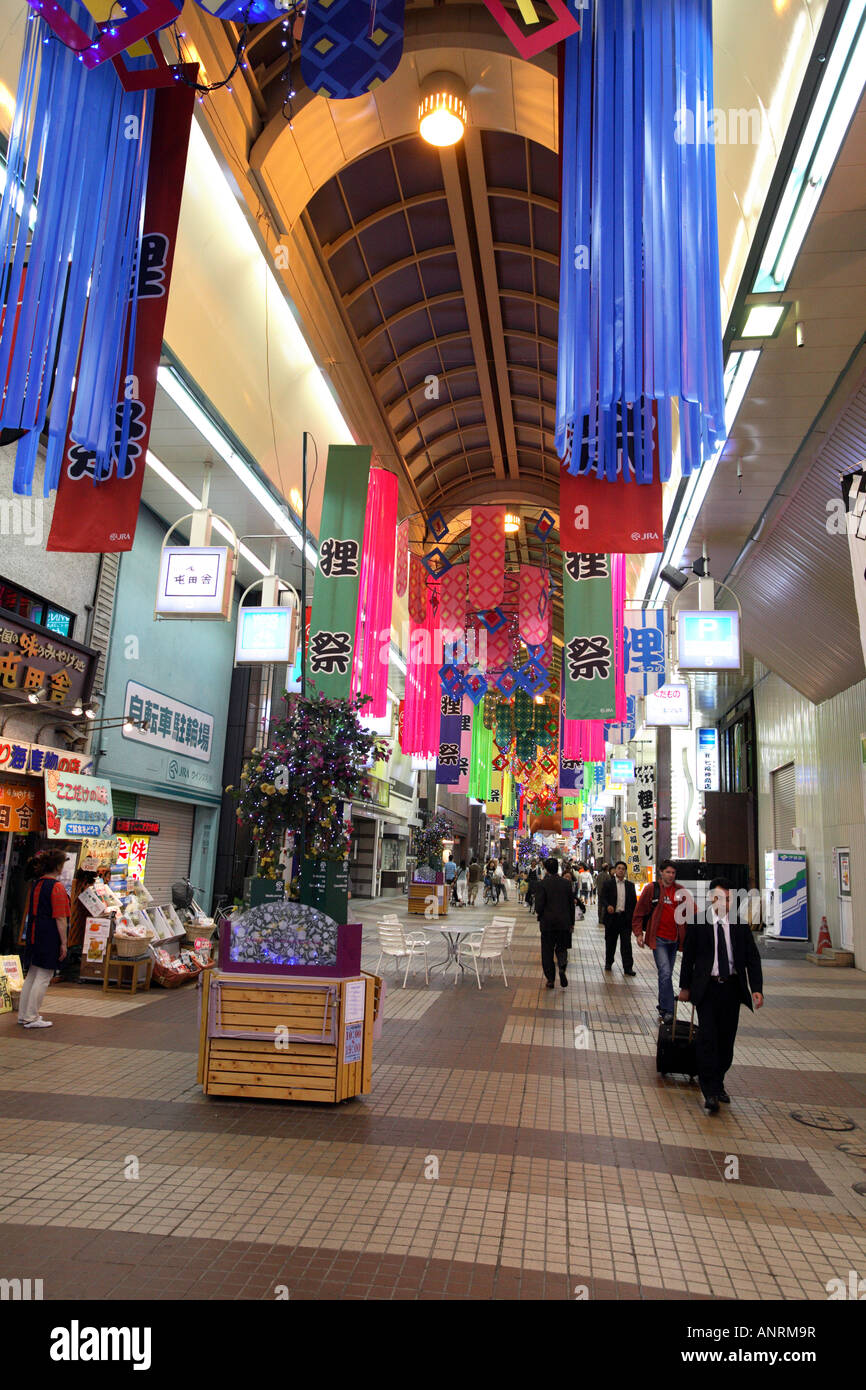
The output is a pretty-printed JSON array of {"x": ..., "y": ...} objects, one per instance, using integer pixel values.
[{"x": 46, "y": 926}]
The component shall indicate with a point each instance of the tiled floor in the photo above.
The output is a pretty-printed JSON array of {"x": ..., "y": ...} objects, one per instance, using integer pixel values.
[{"x": 516, "y": 1143}]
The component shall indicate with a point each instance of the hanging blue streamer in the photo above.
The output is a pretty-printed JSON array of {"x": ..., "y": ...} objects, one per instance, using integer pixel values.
[
  {"x": 640, "y": 314},
  {"x": 83, "y": 143}
]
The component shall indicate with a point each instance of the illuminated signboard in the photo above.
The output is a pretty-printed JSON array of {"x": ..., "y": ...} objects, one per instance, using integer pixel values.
[
  {"x": 669, "y": 707},
  {"x": 264, "y": 634},
  {"x": 708, "y": 760},
  {"x": 124, "y": 826},
  {"x": 708, "y": 641},
  {"x": 195, "y": 582},
  {"x": 621, "y": 770}
]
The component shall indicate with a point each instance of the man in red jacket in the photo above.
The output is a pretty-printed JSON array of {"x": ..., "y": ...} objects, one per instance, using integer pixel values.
[{"x": 664, "y": 909}]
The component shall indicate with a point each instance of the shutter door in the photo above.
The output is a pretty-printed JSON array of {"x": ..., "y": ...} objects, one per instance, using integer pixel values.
[
  {"x": 123, "y": 803},
  {"x": 784, "y": 807},
  {"x": 169, "y": 852}
]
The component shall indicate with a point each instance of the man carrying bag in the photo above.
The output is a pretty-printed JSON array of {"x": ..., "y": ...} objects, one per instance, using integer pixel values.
[
  {"x": 554, "y": 906},
  {"x": 721, "y": 969},
  {"x": 617, "y": 901}
]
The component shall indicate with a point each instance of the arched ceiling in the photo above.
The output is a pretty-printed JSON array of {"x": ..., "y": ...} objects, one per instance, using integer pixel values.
[{"x": 446, "y": 265}]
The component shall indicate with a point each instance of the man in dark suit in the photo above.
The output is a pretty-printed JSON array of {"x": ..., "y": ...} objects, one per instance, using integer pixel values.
[
  {"x": 554, "y": 907},
  {"x": 617, "y": 901},
  {"x": 720, "y": 970}
]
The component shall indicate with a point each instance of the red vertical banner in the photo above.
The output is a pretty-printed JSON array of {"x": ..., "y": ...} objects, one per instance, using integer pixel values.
[
  {"x": 486, "y": 557},
  {"x": 102, "y": 516}
]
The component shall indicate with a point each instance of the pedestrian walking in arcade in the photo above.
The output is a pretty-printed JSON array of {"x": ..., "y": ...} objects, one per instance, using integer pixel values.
[
  {"x": 721, "y": 969},
  {"x": 659, "y": 922},
  {"x": 616, "y": 907},
  {"x": 554, "y": 907},
  {"x": 45, "y": 931}
]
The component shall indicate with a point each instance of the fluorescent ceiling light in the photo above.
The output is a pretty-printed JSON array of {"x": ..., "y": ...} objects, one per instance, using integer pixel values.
[
  {"x": 172, "y": 481},
  {"x": 739, "y": 370},
  {"x": 836, "y": 101},
  {"x": 763, "y": 320}
]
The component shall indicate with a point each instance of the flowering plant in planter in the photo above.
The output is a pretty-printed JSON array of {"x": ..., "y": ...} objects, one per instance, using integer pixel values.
[
  {"x": 319, "y": 757},
  {"x": 428, "y": 842}
]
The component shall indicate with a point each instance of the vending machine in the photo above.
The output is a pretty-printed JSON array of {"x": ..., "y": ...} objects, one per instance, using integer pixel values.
[{"x": 785, "y": 879}]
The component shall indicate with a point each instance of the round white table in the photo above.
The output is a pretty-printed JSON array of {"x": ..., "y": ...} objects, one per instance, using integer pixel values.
[{"x": 452, "y": 936}]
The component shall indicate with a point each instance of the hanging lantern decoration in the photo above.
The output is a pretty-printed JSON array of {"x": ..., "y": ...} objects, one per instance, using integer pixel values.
[{"x": 639, "y": 302}]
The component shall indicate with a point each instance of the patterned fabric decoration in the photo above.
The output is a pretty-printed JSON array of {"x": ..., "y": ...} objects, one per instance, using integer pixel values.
[
  {"x": 534, "y": 605},
  {"x": 508, "y": 681},
  {"x": 524, "y": 711},
  {"x": 500, "y": 649},
  {"x": 488, "y": 711},
  {"x": 437, "y": 526},
  {"x": 534, "y": 35},
  {"x": 533, "y": 678},
  {"x": 487, "y": 558},
  {"x": 348, "y": 48},
  {"x": 644, "y": 650},
  {"x": 436, "y": 563},
  {"x": 475, "y": 686},
  {"x": 467, "y": 707},
  {"x": 417, "y": 590},
  {"x": 452, "y": 611},
  {"x": 544, "y": 525},
  {"x": 525, "y": 747},
  {"x": 451, "y": 681},
  {"x": 504, "y": 716},
  {"x": 402, "y": 560}
]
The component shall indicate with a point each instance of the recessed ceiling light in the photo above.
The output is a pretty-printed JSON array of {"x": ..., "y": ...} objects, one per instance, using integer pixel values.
[{"x": 763, "y": 320}]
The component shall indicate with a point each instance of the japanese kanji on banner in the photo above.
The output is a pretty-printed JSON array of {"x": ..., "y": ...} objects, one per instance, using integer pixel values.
[
  {"x": 645, "y": 778},
  {"x": 466, "y": 709},
  {"x": 631, "y": 848},
  {"x": 644, "y": 650},
  {"x": 448, "y": 753},
  {"x": 588, "y": 653},
  {"x": 493, "y": 806},
  {"x": 621, "y": 734},
  {"x": 335, "y": 597}
]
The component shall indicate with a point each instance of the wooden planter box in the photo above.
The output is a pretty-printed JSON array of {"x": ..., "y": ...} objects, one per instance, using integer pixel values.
[
  {"x": 420, "y": 892},
  {"x": 274, "y": 1038}
]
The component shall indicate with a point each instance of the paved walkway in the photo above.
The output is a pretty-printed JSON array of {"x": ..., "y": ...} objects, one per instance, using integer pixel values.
[{"x": 493, "y": 1158}]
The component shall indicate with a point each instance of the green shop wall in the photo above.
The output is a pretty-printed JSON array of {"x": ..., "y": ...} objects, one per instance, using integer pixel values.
[{"x": 187, "y": 662}]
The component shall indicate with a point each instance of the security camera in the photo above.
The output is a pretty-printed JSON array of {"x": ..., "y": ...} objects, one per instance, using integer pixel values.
[{"x": 674, "y": 577}]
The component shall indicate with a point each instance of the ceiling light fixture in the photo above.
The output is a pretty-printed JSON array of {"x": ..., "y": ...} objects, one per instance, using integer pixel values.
[
  {"x": 512, "y": 523},
  {"x": 763, "y": 320},
  {"x": 36, "y": 695},
  {"x": 442, "y": 110}
]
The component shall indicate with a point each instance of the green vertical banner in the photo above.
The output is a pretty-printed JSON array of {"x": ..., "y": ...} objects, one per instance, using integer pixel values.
[
  {"x": 588, "y": 657},
  {"x": 331, "y": 647}
]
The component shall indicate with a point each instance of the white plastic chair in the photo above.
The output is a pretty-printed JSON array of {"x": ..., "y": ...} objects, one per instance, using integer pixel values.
[
  {"x": 489, "y": 945},
  {"x": 508, "y": 923},
  {"x": 393, "y": 941}
]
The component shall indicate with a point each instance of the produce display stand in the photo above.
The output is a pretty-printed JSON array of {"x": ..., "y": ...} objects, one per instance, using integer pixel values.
[
  {"x": 269, "y": 1037},
  {"x": 116, "y": 962}
]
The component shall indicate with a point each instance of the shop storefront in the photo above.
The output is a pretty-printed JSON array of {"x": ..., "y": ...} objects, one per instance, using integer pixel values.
[{"x": 174, "y": 678}]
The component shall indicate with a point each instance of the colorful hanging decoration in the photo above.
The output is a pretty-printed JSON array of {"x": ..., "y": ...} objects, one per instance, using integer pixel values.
[
  {"x": 401, "y": 581},
  {"x": 613, "y": 516},
  {"x": 466, "y": 710},
  {"x": 481, "y": 758},
  {"x": 452, "y": 596},
  {"x": 532, "y": 35},
  {"x": 448, "y": 752},
  {"x": 88, "y": 519},
  {"x": 639, "y": 300},
  {"x": 534, "y": 605},
  {"x": 69, "y": 274},
  {"x": 349, "y": 47},
  {"x": 617, "y": 586},
  {"x": 333, "y": 621},
  {"x": 489, "y": 708},
  {"x": 622, "y": 733},
  {"x": 423, "y": 689},
  {"x": 588, "y": 653},
  {"x": 417, "y": 590},
  {"x": 487, "y": 558},
  {"x": 376, "y": 597},
  {"x": 92, "y": 44},
  {"x": 644, "y": 650}
]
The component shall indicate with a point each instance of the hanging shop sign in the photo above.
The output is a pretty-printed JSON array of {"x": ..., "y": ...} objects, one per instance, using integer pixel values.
[
  {"x": 598, "y": 837},
  {"x": 621, "y": 771},
  {"x": 708, "y": 760},
  {"x": 588, "y": 657},
  {"x": 124, "y": 826},
  {"x": 195, "y": 582},
  {"x": 645, "y": 776},
  {"x": 171, "y": 725},
  {"x": 265, "y": 635},
  {"x": 331, "y": 649},
  {"x": 132, "y": 852},
  {"x": 20, "y": 807},
  {"x": 708, "y": 641},
  {"x": 620, "y": 517},
  {"x": 644, "y": 649},
  {"x": 31, "y": 661},
  {"x": 631, "y": 847},
  {"x": 77, "y": 807},
  {"x": 102, "y": 517},
  {"x": 669, "y": 707},
  {"x": 35, "y": 758},
  {"x": 98, "y": 854}
]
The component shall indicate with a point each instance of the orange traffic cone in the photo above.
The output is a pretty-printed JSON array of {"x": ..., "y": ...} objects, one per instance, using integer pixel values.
[{"x": 824, "y": 942}]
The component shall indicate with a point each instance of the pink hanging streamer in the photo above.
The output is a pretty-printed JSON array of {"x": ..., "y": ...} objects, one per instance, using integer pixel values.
[
  {"x": 423, "y": 687},
  {"x": 534, "y": 605},
  {"x": 453, "y": 584},
  {"x": 583, "y": 739},
  {"x": 376, "y": 593}
]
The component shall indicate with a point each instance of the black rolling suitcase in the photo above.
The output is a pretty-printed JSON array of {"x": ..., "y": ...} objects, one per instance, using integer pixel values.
[{"x": 677, "y": 1046}]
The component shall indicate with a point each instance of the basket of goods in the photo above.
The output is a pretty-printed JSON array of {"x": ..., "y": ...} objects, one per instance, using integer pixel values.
[
  {"x": 195, "y": 927},
  {"x": 170, "y": 971},
  {"x": 132, "y": 935}
]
